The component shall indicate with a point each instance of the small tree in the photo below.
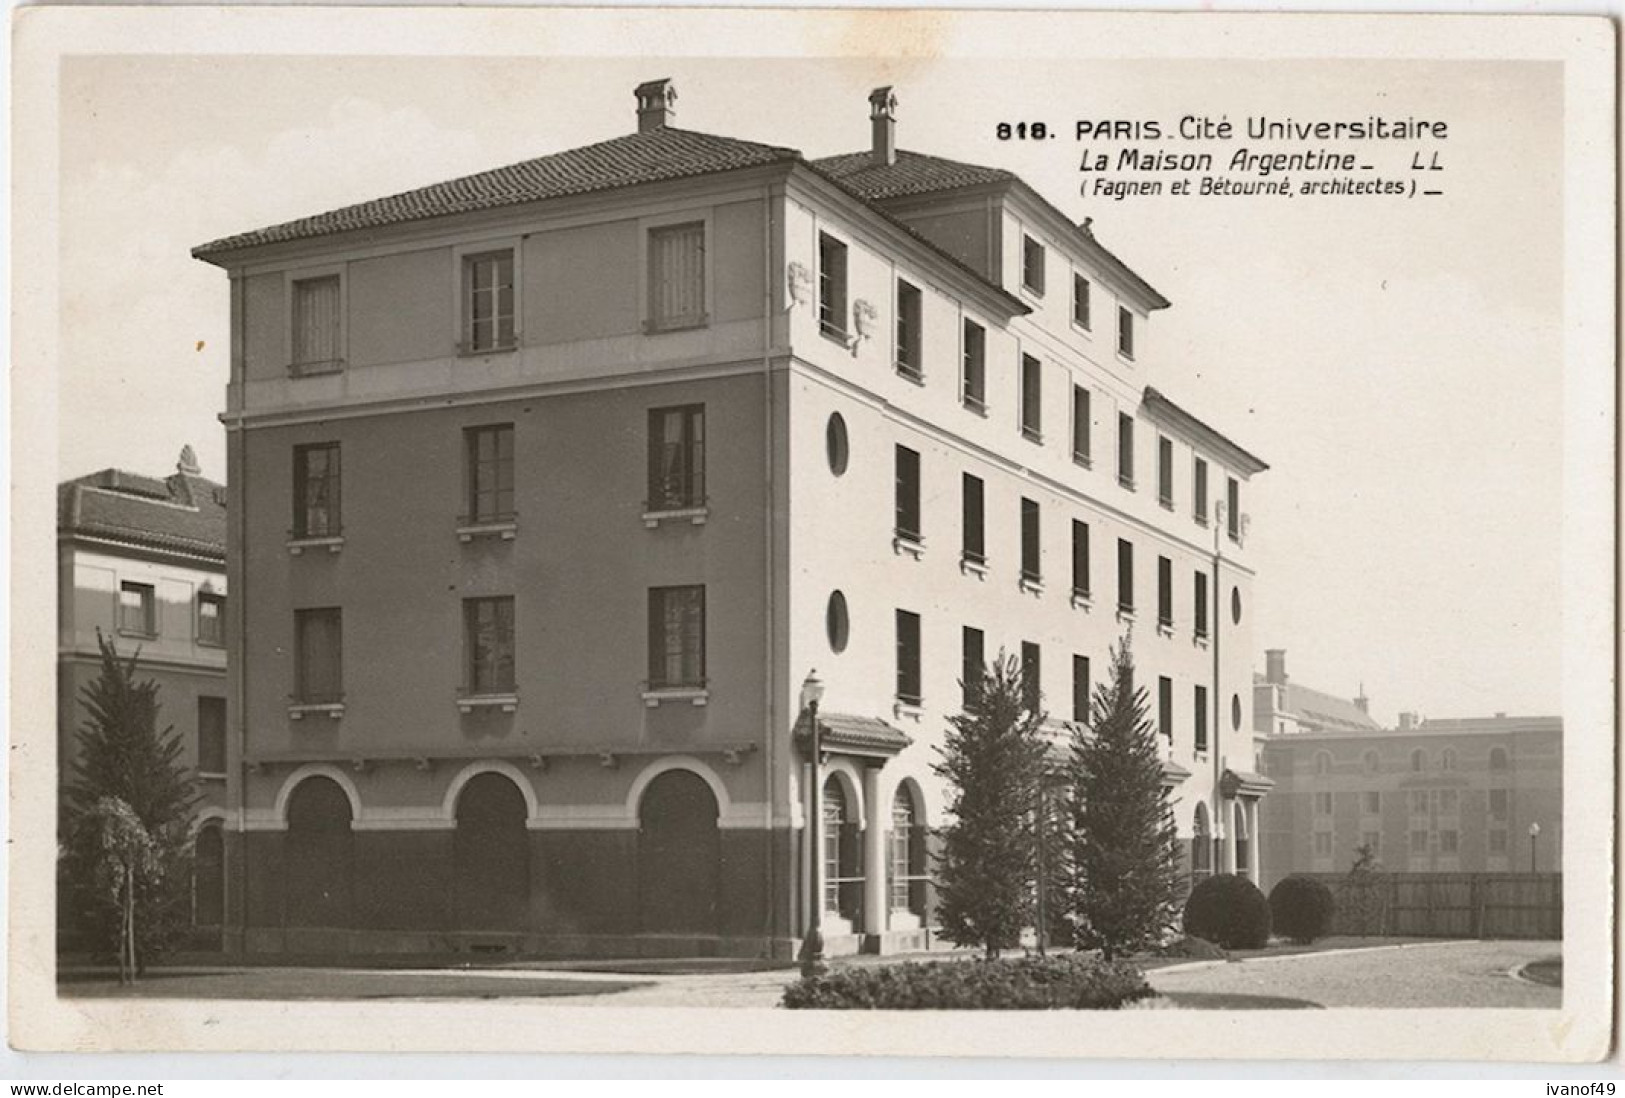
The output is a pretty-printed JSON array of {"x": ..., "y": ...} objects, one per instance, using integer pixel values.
[
  {"x": 991, "y": 759},
  {"x": 1123, "y": 880},
  {"x": 124, "y": 756},
  {"x": 1362, "y": 895},
  {"x": 125, "y": 856}
]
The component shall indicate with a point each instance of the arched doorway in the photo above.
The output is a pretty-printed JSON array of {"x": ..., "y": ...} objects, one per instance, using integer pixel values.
[
  {"x": 319, "y": 855},
  {"x": 1201, "y": 845},
  {"x": 209, "y": 877},
  {"x": 678, "y": 855},
  {"x": 842, "y": 854},
  {"x": 491, "y": 855},
  {"x": 908, "y": 867}
]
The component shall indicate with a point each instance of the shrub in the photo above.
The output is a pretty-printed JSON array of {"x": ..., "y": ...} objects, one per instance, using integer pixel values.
[
  {"x": 1191, "y": 949},
  {"x": 1071, "y": 982},
  {"x": 1301, "y": 909},
  {"x": 1228, "y": 910}
]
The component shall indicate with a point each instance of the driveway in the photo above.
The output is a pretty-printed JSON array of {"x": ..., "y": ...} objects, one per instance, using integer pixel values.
[{"x": 1435, "y": 974}]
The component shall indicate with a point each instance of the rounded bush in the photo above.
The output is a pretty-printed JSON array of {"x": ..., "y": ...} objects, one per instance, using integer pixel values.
[
  {"x": 1230, "y": 911},
  {"x": 1301, "y": 909}
]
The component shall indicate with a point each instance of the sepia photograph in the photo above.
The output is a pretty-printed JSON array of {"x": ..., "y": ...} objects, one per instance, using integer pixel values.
[{"x": 641, "y": 530}]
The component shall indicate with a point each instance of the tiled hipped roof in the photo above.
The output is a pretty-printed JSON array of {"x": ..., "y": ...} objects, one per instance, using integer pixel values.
[
  {"x": 659, "y": 155},
  {"x": 1334, "y": 714},
  {"x": 910, "y": 174},
  {"x": 183, "y": 513}
]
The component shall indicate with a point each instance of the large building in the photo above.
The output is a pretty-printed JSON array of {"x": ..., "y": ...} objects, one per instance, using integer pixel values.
[
  {"x": 1479, "y": 795},
  {"x": 141, "y": 561},
  {"x": 551, "y": 485}
]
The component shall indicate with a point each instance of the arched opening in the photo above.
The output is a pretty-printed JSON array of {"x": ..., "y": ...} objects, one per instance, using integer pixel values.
[
  {"x": 1238, "y": 828},
  {"x": 843, "y": 868},
  {"x": 491, "y": 855},
  {"x": 1447, "y": 761},
  {"x": 209, "y": 876},
  {"x": 1201, "y": 844},
  {"x": 320, "y": 856},
  {"x": 1419, "y": 760},
  {"x": 908, "y": 859},
  {"x": 678, "y": 855}
]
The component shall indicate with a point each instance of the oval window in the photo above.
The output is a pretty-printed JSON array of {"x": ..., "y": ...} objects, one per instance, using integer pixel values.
[
  {"x": 835, "y": 442},
  {"x": 1235, "y": 711},
  {"x": 835, "y": 621},
  {"x": 1235, "y": 605}
]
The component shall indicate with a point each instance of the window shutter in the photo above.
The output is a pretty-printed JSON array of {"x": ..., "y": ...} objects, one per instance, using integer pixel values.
[
  {"x": 316, "y": 320},
  {"x": 677, "y": 275}
]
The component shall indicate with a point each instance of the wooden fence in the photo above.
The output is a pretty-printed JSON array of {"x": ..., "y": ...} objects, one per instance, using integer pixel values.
[{"x": 1448, "y": 905}]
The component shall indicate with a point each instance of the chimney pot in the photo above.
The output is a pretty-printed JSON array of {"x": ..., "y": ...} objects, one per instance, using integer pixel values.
[
  {"x": 1275, "y": 666},
  {"x": 1363, "y": 703},
  {"x": 883, "y": 123},
  {"x": 657, "y": 101}
]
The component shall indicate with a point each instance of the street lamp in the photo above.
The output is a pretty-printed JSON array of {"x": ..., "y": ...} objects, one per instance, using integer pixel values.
[
  {"x": 812, "y": 946},
  {"x": 1534, "y": 833}
]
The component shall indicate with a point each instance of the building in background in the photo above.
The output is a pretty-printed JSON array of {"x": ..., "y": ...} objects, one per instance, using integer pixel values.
[
  {"x": 551, "y": 486},
  {"x": 141, "y": 560},
  {"x": 1473, "y": 795}
]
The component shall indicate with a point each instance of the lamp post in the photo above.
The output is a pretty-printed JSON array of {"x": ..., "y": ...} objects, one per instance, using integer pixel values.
[
  {"x": 812, "y": 945},
  {"x": 1534, "y": 833}
]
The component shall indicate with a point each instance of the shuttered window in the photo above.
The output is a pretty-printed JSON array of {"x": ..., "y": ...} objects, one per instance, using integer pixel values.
[
  {"x": 488, "y": 645},
  {"x": 974, "y": 383},
  {"x": 973, "y": 544},
  {"x": 316, "y": 512},
  {"x": 1199, "y": 711},
  {"x": 677, "y": 276},
  {"x": 1031, "y": 557},
  {"x": 1080, "y": 558},
  {"x": 1032, "y": 696},
  {"x": 319, "y": 640},
  {"x": 908, "y": 495},
  {"x": 316, "y": 325},
  {"x": 970, "y": 664},
  {"x": 908, "y": 658},
  {"x": 1080, "y": 689},
  {"x": 1032, "y": 399},
  {"x": 1080, "y": 425},
  {"x": 910, "y": 357}
]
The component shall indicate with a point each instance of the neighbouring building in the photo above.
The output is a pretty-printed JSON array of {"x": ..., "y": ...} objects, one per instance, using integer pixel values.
[
  {"x": 551, "y": 485},
  {"x": 141, "y": 560},
  {"x": 1482, "y": 794}
]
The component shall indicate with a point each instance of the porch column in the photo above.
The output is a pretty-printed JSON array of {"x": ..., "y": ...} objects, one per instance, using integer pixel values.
[
  {"x": 1229, "y": 815},
  {"x": 875, "y": 817},
  {"x": 1255, "y": 842},
  {"x": 812, "y": 867}
]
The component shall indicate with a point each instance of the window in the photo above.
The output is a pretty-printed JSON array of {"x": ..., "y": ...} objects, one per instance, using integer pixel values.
[
  {"x": 908, "y": 658},
  {"x": 1370, "y": 761},
  {"x": 1371, "y": 803},
  {"x": 1323, "y": 844},
  {"x": 1323, "y": 804},
  {"x": 211, "y": 736},
  {"x": 1080, "y": 689},
  {"x": 489, "y": 454},
  {"x": 1165, "y": 593},
  {"x": 1199, "y": 492},
  {"x": 137, "y": 609},
  {"x": 1080, "y": 301},
  {"x": 1323, "y": 763},
  {"x": 677, "y": 276},
  {"x": 908, "y": 495},
  {"x": 488, "y": 299},
  {"x": 973, "y": 535},
  {"x": 1200, "y": 602},
  {"x": 1032, "y": 399},
  {"x": 319, "y": 656},
  {"x": 1419, "y": 842},
  {"x": 316, "y": 491},
  {"x": 1447, "y": 842},
  {"x": 836, "y": 447},
  {"x": 1165, "y": 473},
  {"x": 676, "y": 458},
  {"x": 1419, "y": 802},
  {"x": 907, "y": 854},
  {"x": 1418, "y": 760},
  {"x": 831, "y": 286},
  {"x": 1032, "y": 697},
  {"x": 1233, "y": 511},
  {"x": 837, "y": 625},
  {"x": 1125, "y": 575},
  {"x": 1448, "y": 801},
  {"x": 1125, "y": 332},
  {"x": 1165, "y": 707},
  {"x": 316, "y": 320},
  {"x": 973, "y": 385},
  {"x": 1498, "y": 842},
  {"x": 488, "y": 646},
  {"x": 1199, "y": 712},
  {"x": 676, "y": 637},
  {"x": 910, "y": 362},
  {"x": 1498, "y": 804},
  {"x": 1498, "y": 758},
  {"x": 1080, "y": 425},
  {"x": 211, "y": 618},
  {"x": 1031, "y": 558},
  {"x": 1447, "y": 760},
  {"x": 970, "y": 664},
  {"x": 1080, "y": 559},
  {"x": 1125, "y": 450},
  {"x": 1032, "y": 265}
]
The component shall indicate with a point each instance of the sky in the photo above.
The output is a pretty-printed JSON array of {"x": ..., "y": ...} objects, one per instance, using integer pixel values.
[{"x": 1397, "y": 362}]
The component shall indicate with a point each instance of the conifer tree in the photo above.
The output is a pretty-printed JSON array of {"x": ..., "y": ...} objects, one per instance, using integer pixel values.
[
  {"x": 991, "y": 759},
  {"x": 122, "y": 754},
  {"x": 1123, "y": 879}
]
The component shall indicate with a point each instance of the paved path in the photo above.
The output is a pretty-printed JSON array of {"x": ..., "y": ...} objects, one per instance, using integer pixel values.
[{"x": 1442, "y": 974}]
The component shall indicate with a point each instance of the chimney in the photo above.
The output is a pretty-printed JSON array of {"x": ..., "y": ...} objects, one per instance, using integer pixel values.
[
  {"x": 1363, "y": 703},
  {"x": 1407, "y": 722},
  {"x": 188, "y": 462},
  {"x": 656, "y": 104},
  {"x": 883, "y": 122},
  {"x": 1275, "y": 666}
]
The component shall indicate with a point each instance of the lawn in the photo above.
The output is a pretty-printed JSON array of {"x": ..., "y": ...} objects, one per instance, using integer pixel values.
[{"x": 264, "y": 983}]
